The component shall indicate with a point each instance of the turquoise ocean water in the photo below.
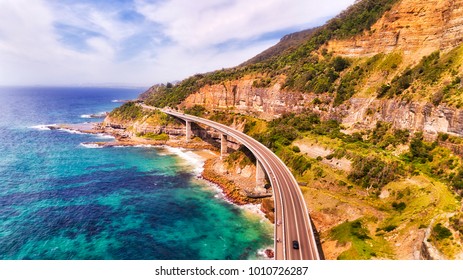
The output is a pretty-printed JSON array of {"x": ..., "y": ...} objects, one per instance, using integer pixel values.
[{"x": 61, "y": 200}]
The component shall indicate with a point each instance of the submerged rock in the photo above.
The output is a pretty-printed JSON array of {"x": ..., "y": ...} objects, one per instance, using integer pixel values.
[{"x": 270, "y": 253}]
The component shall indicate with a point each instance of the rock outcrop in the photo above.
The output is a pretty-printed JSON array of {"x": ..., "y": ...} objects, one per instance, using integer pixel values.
[
  {"x": 240, "y": 96},
  {"x": 415, "y": 27},
  {"x": 127, "y": 129},
  {"x": 357, "y": 113},
  {"x": 415, "y": 116}
]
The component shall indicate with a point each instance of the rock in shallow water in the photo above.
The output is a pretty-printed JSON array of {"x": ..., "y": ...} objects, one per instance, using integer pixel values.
[{"x": 269, "y": 253}]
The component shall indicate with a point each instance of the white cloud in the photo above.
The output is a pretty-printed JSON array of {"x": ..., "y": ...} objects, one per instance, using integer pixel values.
[
  {"x": 88, "y": 17},
  {"x": 26, "y": 39},
  {"x": 178, "y": 38},
  {"x": 21, "y": 35},
  {"x": 176, "y": 62},
  {"x": 196, "y": 24}
]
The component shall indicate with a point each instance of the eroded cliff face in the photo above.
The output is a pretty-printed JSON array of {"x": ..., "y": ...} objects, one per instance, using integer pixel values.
[
  {"x": 415, "y": 27},
  {"x": 415, "y": 116},
  {"x": 240, "y": 96},
  {"x": 357, "y": 113}
]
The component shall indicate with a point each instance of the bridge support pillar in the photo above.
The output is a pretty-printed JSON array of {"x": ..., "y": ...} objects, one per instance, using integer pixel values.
[
  {"x": 260, "y": 177},
  {"x": 188, "y": 131},
  {"x": 223, "y": 145}
]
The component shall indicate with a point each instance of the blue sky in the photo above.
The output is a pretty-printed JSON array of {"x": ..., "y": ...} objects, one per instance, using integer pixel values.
[{"x": 142, "y": 42}]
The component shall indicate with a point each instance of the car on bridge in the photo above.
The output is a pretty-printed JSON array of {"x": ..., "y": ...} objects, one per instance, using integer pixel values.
[{"x": 296, "y": 244}]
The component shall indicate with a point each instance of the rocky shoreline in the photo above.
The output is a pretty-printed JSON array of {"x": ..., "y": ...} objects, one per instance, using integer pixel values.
[{"x": 233, "y": 192}]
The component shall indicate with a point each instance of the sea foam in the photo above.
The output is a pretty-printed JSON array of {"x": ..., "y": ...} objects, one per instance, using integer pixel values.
[
  {"x": 43, "y": 126},
  {"x": 191, "y": 159},
  {"x": 94, "y": 116},
  {"x": 262, "y": 255},
  {"x": 71, "y": 131},
  {"x": 144, "y": 146},
  {"x": 104, "y": 136},
  {"x": 91, "y": 146}
]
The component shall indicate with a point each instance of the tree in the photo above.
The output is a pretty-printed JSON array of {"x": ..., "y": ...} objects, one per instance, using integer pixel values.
[{"x": 340, "y": 63}]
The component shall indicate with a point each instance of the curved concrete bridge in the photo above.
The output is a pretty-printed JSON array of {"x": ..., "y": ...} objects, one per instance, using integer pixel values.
[{"x": 291, "y": 215}]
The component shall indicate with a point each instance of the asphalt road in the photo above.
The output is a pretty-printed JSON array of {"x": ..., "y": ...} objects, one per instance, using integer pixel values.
[{"x": 291, "y": 215}]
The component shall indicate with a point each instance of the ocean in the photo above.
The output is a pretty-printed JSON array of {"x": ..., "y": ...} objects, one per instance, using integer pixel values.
[{"x": 61, "y": 200}]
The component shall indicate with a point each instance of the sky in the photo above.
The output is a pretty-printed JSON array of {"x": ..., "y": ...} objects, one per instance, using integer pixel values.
[{"x": 142, "y": 42}]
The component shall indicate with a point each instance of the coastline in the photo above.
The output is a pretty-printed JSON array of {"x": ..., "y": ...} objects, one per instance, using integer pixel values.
[
  {"x": 118, "y": 203},
  {"x": 203, "y": 158},
  {"x": 230, "y": 189},
  {"x": 231, "y": 192},
  {"x": 209, "y": 155}
]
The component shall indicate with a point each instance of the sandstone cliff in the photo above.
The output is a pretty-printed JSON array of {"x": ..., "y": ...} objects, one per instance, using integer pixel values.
[
  {"x": 241, "y": 96},
  {"x": 363, "y": 113},
  {"x": 357, "y": 113},
  {"x": 413, "y": 26}
]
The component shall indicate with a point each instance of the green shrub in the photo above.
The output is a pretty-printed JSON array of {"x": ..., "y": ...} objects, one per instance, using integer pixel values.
[
  {"x": 383, "y": 90},
  {"x": 339, "y": 63},
  {"x": 284, "y": 130},
  {"x": 156, "y": 137},
  {"x": 358, "y": 231},
  {"x": 242, "y": 157},
  {"x": 439, "y": 232},
  {"x": 389, "y": 228},
  {"x": 347, "y": 86},
  {"x": 456, "y": 181},
  {"x": 419, "y": 150},
  {"x": 129, "y": 111},
  {"x": 339, "y": 153},
  {"x": 302, "y": 122},
  {"x": 429, "y": 71},
  {"x": 298, "y": 163},
  {"x": 383, "y": 135},
  {"x": 371, "y": 172},
  {"x": 353, "y": 138},
  {"x": 196, "y": 110},
  {"x": 262, "y": 83},
  {"x": 317, "y": 101},
  {"x": 399, "y": 206},
  {"x": 442, "y": 136},
  {"x": 437, "y": 97},
  {"x": 330, "y": 128}
]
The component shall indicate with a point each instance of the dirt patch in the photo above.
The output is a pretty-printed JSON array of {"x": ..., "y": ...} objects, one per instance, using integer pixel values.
[{"x": 315, "y": 151}]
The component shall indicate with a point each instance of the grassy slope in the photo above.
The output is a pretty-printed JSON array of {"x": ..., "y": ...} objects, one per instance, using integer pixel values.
[
  {"x": 130, "y": 113},
  {"x": 338, "y": 202}
]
